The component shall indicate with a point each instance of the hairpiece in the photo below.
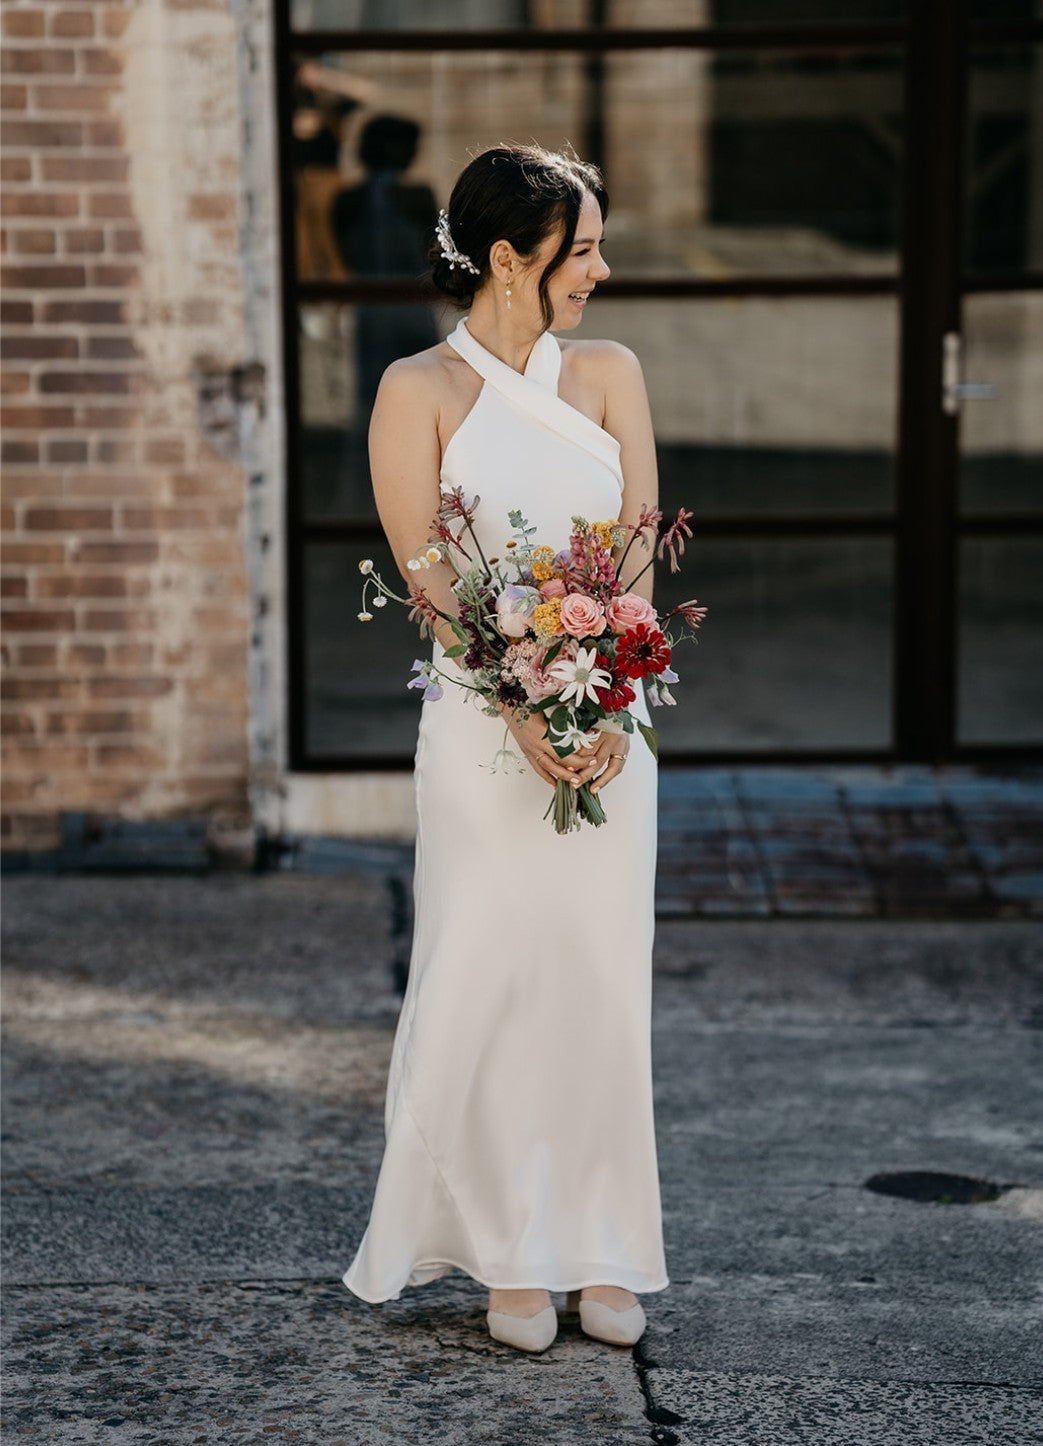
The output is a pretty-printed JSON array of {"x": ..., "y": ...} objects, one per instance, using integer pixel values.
[{"x": 452, "y": 255}]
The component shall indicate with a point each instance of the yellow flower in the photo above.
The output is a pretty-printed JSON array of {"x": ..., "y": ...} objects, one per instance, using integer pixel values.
[
  {"x": 542, "y": 571},
  {"x": 543, "y": 553},
  {"x": 603, "y": 532},
  {"x": 547, "y": 618}
]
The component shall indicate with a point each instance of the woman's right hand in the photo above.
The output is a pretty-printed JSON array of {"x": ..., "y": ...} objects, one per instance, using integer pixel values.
[{"x": 531, "y": 737}]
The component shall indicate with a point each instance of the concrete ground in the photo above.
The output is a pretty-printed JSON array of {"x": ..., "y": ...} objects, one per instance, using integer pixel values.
[{"x": 194, "y": 1074}]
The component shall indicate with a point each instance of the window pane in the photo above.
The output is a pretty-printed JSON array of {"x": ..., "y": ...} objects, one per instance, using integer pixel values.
[
  {"x": 343, "y": 352},
  {"x": 717, "y": 164},
  {"x": 356, "y": 699},
  {"x": 795, "y": 652},
  {"x": 767, "y": 406},
  {"x": 1004, "y": 173},
  {"x": 1001, "y": 437},
  {"x": 1000, "y": 640}
]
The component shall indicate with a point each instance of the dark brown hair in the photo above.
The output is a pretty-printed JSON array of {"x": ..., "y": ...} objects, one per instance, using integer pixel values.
[{"x": 518, "y": 194}]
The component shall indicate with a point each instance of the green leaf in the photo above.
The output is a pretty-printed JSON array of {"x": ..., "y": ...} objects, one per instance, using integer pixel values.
[
  {"x": 458, "y": 629},
  {"x": 455, "y": 651},
  {"x": 650, "y": 736},
  {"x": 552, "y": 653}
]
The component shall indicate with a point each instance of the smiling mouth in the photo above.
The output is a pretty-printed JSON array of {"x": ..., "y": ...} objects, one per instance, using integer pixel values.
[{"x": 580, "y": 296}]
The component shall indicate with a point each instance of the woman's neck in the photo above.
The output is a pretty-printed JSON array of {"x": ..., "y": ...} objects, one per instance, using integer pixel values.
[{"x": 512, "y": 341}]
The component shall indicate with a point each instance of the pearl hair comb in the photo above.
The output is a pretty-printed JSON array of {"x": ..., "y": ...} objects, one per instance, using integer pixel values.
[{"x": 449, "y": 249}]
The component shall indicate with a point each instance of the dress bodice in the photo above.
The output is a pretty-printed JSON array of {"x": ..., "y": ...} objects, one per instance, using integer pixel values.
[{"x": 521, "y": 446}]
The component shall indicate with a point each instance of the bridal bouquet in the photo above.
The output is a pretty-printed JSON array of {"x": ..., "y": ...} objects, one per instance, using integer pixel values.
[{"x": 557, "y": 633}]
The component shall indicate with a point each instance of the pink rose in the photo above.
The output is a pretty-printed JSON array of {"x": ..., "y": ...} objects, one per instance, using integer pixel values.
[
  {"x": 627, "y": 610},
  {"x": 540, "y": 685},
  {"x": 582, "y": 616},
  {"x": 554, "y": 588}
]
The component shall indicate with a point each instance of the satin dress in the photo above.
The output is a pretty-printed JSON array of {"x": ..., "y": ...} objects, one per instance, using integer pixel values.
[{"x": 519, "y": 1134}]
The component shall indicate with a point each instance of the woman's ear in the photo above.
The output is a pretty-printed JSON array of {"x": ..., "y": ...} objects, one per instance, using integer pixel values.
[{"x": 503, "y": 260}]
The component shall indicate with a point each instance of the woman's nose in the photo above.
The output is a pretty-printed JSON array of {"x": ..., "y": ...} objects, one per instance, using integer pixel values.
[{"x": 602, "y": 271}]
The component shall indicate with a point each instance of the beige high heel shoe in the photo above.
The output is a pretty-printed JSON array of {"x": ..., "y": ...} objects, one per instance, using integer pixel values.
[
  {"x": 615, "y": 1327},
  {"x": 524, "y": 1332}
]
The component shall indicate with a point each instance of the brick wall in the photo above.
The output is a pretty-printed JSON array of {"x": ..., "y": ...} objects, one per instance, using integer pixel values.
[{"x": 125, "y": 595}]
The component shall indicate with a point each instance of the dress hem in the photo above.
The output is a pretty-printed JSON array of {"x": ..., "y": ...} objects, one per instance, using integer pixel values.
[{"x": 443, "y": 1267}]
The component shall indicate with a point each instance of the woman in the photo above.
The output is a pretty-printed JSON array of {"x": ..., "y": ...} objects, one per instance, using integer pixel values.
[{"x": 520, "y": 1143}]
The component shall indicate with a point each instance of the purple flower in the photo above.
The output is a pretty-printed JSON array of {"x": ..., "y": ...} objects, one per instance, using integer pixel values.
[{"x": 432, "y": 690}]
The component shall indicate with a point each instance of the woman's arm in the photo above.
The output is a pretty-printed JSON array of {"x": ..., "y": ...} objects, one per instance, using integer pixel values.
[
  {"x": 629, "y": 420},
  {"x": 405, "y": 463}
]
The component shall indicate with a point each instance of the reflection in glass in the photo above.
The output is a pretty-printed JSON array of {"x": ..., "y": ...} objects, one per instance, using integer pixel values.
[
  {"x": 355, "y": 697},
  {"x": 718, "y": 164},
  {"x": 1001, "y": 438},
  {"x": 795, "y": 652},
  {"x": 1000, "y": 654},
  {"x": 342, "y": 352},
  {"x": 767, "y": 406},
  {"x": 1004, "y": 173}
]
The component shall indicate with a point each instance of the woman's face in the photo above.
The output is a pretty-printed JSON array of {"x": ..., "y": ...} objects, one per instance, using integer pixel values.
[{"x": 576, "y": 277}]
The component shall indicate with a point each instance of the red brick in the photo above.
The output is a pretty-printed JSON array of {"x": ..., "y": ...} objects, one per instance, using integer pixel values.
[
  {"x": 50, "y": 585},
  {"x": 14, "y": 586},
  {"x": 131, "y": 655},
  {"x": 129, "y": 687},
  {"x": 112, "y": 276},
  {"x": 13, "y": 97},
  {"x": 35, "y": 347},
  {"x": 121, "y": 554},
  {"x": 105, "y": 134},
  {"x": 40, "y": 203},
  {"x": 34, "y": 241},
  {"x": 96, "y": 61},
  {"x": 89, "y": 383},
  {"x": 36, "y": 752},
  {"x": 14, "y": 552},
  {"x": 38, "y": 655},
  {"x": 72, "y": 25},
  {"x": 91, "y": 313},
  {"x": 14, "y": 384},
  {"x": 33, "y": 134},
  {"x": 86, "y": 655},
  {"x": 115, "y": 20},
  {"x": 94, "y": 720},
  {"x": 127, "y": 241},
  {"x": 85, "y": 168},
  {"x": 118, "y": 620},
  {"x": 67, "y": 450},
  {"x": 167, "y": 451},
  {"x": 38, "y": 418},
  {"x": 162, "y": 519},
  {"x": 77, "y": 98},
  {"x": 112, "y": 348},
  {"x": 29, "y": 690},
  {"x": 16, "y": 313},
  {"x": 38, "y": 621},
  {"x": 48, "y": 61},
  {"x": 43, "y": 278},
  {"x": 106, "y": 418},
  {"x": 110, "y": 206},
  {"x": 15, "y": 168},
  {"x": 116, "y": 449},
  {"x": 23, "y": 24},
  {"x": 12, "y": 450},
  {"x": 34, "y": 484},
  {"x": 211, "y": 206},
  {"x": 68, "y": 519},
  {"x": 16, "y": 725},
  {"x": 80, "y": 239},
  {"x": 129, "y": 755}
]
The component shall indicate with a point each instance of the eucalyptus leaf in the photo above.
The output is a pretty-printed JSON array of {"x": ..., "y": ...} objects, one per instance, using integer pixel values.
[{"x": 650, "y": 736}]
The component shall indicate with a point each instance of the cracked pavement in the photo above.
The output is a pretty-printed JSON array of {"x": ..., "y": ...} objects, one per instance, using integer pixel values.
[{"x": 192, "y": 1118}]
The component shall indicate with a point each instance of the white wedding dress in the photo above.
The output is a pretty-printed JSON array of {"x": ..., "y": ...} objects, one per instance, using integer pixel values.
[{"x": 519, "y": 1134}]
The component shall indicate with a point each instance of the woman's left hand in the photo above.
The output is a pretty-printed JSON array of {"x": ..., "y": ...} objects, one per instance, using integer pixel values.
[{"x": 601, "y": 763}]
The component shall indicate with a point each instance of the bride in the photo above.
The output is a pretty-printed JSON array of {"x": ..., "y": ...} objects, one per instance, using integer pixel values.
[{"x": 519, "y": 1134}]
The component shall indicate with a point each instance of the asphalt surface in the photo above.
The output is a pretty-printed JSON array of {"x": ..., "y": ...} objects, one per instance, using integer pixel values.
[{"x": 192, "y": 1122}]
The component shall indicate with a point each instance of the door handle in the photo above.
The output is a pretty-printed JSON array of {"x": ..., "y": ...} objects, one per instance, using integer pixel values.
[{"x": 954, "y": 391}]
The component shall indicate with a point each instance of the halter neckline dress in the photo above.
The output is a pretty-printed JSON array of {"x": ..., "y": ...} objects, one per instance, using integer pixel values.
[{"x": 519, "y": 1133}]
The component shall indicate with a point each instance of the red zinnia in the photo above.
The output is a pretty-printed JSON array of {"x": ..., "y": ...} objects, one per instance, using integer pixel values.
[
  {"x": 642, "y": 650},
  {"x": 616, "y": 698}
]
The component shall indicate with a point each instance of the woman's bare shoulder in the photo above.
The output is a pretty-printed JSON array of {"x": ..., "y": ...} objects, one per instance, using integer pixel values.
[
  {"x": 600, "y": 358},
  {"x": 425, "y": 374}
]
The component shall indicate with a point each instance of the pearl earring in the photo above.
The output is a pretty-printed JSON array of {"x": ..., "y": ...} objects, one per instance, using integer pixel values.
[{"x": 508, "y": 296}]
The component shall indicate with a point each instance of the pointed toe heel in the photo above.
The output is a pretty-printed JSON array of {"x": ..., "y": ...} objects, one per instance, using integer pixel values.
[
  {"x": 524, "y": 1332},
  {"x": 615, "y": 1327}
]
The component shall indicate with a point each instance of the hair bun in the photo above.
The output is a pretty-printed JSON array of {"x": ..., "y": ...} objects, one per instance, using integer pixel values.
[{"x": 453, "y": 281}]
